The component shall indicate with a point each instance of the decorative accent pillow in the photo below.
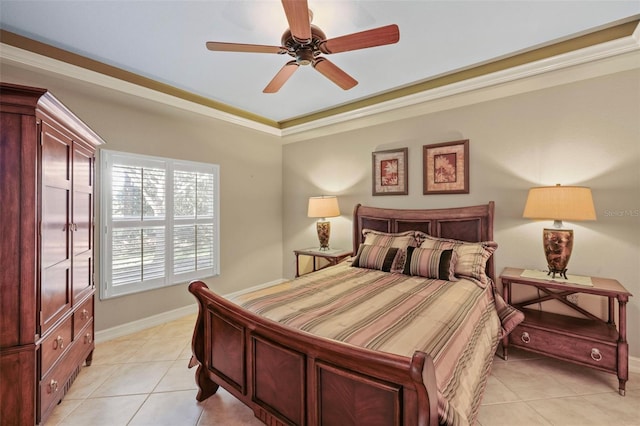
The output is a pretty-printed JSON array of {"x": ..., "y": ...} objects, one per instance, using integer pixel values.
[
  {"x": 471, "y": 258},
  {"x": 400, "y": 240},
  {"x": 431, "y": 263},
  {"x": 376, "y": 257}
]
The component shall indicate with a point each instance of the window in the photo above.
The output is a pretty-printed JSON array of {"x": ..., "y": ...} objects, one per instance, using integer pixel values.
[{"x": 160, "y": 222}]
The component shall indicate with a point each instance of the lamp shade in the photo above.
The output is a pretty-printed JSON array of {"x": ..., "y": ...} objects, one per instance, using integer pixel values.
[
  {"x": 323, "y": 206},
  {"x": 572, "y": 203}
]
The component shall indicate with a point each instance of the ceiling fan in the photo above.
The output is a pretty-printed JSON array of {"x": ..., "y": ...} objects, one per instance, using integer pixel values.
[{"x": 306, "y": 42}]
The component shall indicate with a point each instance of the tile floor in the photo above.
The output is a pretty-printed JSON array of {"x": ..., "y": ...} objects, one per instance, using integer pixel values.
[{"x": 142, "y": 379}]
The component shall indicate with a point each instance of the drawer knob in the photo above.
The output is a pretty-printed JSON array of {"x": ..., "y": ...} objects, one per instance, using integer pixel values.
[
  {"x": 53, "y": 386},
  {"x": 58, "y": 343},
  {"x": 525, "y": 337},
  {"x": 88, "y": 338},
  {"x": 85, "y": 314},
  {"x": 595, "y": 354}
]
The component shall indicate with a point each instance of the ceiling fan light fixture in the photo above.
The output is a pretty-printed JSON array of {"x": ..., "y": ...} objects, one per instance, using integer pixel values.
[{"x": 304, "y": 56}]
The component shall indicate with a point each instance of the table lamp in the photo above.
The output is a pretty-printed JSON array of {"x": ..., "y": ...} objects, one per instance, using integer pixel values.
[
  {"x": 323, "y": 207},
  {"x": 558, "y": 203}
]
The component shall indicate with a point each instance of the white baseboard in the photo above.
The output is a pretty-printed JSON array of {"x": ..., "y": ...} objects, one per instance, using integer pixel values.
[
  {"x": 154, "y": 320},
  {"x": 255, "y": 287},
  {"x": 144, "y": 323}
]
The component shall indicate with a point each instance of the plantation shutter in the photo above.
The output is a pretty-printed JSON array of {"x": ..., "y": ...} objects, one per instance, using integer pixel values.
[{"x": 161, "y": 222}]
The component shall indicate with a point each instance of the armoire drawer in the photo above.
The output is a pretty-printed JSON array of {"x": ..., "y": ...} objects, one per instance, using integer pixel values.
[
  {"x": 52, "y": 388},
  {"x": 599, "y": 354},
  {"x": 84, "y": 341},
  {"x": 82, "y": 316},
  {"x": 56, "y": 382},
  {"x": 55, "y": 345}
]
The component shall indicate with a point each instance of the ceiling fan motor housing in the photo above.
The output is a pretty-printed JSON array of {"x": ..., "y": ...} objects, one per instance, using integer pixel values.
[{"x": 304, "y": 53}]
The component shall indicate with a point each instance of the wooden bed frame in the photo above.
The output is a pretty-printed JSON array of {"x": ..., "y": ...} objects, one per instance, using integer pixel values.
[{"x": 290, "y": 377}]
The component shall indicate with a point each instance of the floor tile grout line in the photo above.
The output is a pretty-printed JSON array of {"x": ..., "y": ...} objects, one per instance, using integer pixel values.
[
  {"x": 547, "y": 399},
  {"x": 531, "y": 407},
  {"x": 138, "y": 410}
]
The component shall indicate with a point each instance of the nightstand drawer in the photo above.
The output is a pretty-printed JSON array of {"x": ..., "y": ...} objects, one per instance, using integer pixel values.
[{"x": 598, "y": 354}]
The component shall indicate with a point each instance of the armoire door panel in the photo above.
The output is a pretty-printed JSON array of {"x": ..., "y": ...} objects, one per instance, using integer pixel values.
[
  {"x": 56, "y": 157},
  {"x": 82, "y": 246},
  {"x": 82, "y": 203},
  {"x": 55, "y": 229},
  {"x": 82, "y": 276},
  {"x": 82, "y": 168},
  {"x": 55, "y": 226},
  {"x": 82, "y": 222},
  {"x": 55, "y": 293}
]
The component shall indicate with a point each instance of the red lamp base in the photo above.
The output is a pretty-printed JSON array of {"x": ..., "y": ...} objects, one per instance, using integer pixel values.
[{"x": 558, "y": 244}]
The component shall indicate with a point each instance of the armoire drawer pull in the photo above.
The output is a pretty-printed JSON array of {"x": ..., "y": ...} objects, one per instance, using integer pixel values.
[
  {"x": 85, "y": 314},
  {"x": 53, "y": 386},
  {"x": 525, "y": 337},
  {"x": 595, "y": 354},
  {"x": 58, "y": 343},
  {"x": 88, "y": 338}
]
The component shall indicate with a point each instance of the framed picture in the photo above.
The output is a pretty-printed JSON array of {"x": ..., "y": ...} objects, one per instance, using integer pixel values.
[
  {"x": 390, "y": 172},
  {"x": 446, "y": 168}
]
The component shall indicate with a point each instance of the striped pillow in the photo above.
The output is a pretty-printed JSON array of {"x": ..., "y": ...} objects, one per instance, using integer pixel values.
[
  {"x": 431, "y": 263},
  {"x": 376, "y": 257},
  {"x": 471, "y": 258},
  {"x": 400, "y": 240}
]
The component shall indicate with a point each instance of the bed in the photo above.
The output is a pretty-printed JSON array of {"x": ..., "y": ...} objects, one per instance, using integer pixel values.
[{"x": 402, "y": 333}]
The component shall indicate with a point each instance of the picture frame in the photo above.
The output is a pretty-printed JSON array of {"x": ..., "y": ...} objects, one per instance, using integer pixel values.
[
  {"x": 390, "y": 172},
  {"x": 446, "y": 168}
]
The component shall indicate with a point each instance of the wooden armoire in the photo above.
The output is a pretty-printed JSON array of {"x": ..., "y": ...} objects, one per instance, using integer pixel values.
[{"x": 46, "y": 251}]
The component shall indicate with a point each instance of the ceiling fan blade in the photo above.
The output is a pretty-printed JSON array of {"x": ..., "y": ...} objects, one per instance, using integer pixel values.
[
  {"x": 297, "y": 12},
  {"x": 281, "y": 77},
  {"x": 240, "y": 47},
  {"x": 333, "y": 73},
  {"x": 370, "y": 38}
]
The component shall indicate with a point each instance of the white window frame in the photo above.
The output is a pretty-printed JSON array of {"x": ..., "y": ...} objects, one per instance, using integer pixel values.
[{"x": 107, "y": 159}]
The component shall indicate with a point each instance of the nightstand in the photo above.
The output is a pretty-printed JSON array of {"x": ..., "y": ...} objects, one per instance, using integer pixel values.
[
  {"x": 332, "y": 256},
  {"x": 588, "y": 341}
]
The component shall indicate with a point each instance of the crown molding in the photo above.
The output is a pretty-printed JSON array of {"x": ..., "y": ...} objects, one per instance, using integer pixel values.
[
  {"x": 26, "y": 58},
  {"x": 589, "y": 62}
]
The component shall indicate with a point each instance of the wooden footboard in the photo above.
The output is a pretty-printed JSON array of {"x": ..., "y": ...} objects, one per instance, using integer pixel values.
[{"x": 292, "y": 377}]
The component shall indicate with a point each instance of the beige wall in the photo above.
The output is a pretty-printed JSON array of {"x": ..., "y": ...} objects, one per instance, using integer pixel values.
[
  {"x": 585, "y": 133},
  {"x": 250, "y": 185}
]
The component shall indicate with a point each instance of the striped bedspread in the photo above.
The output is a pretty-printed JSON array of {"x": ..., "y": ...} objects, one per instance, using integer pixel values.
[{"x": 457, "y": 323}]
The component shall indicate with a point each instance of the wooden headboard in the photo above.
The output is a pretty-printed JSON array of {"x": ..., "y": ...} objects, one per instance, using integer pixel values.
[{"x": 471, "y": 224}]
